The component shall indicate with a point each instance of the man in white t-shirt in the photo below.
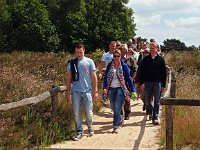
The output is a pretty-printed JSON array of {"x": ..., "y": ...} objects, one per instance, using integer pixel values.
[{"x": 106, "y": 58}]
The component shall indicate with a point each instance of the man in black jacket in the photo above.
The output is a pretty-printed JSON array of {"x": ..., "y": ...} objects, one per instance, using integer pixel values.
[{"x": 153, "y": 80}]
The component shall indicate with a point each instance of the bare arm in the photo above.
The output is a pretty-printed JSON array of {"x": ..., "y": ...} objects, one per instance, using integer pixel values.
[
  {"x": 101, "y": 66},
  {"x": 68, "y": 85},
  {"x": 94, "y": 85}
]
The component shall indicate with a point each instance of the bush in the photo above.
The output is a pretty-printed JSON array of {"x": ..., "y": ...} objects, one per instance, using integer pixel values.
[{"x": 25, "y": 74}]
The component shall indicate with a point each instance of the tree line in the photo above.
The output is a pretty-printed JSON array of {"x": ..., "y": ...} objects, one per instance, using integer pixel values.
[
  {"x": 52, "y": 25},
  {"x": 176, "y": 44}
]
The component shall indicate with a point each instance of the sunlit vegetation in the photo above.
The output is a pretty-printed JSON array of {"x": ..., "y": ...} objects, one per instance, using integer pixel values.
[
  {"x": 25, "y": 74},
  {"x": 186, "y": 118}
]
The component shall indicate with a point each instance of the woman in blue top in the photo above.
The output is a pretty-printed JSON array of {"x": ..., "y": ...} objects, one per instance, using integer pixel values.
[{"x": 117, "y": 85}]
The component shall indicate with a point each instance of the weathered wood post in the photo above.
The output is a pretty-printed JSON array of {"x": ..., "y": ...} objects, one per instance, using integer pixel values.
[
  {"x": 54, "y": 99},
  {"x": 169, "y": 115}
]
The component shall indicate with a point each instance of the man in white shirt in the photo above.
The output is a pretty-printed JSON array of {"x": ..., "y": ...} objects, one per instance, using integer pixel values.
[{"x": 106, "y": 58}]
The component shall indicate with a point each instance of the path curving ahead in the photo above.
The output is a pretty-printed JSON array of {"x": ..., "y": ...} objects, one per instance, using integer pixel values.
[{"x": 137, "y": 133}]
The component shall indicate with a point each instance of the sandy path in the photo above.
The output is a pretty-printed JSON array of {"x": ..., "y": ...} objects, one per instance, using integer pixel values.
[{"x": 137, "y": 133}]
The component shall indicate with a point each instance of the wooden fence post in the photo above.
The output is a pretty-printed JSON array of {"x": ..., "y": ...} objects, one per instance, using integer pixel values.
[
  {"x": 54, "y": 100},
  {"x": 169, "y": 115}
]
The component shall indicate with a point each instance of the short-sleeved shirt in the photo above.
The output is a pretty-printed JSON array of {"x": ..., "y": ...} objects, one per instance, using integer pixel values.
[
  {"x": 107, "y": 57},
  {"x": 85, "y": 67}
]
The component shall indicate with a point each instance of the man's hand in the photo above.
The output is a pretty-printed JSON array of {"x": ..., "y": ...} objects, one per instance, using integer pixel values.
[
  {"x": 105, "y": 92},
  {"x": 68, "y": 96},
  {"x": 95, "y": 95},
  {"x": 142, "y": 87},
  {"x": 100, "y": 76},
  {"x": 162, "y": 89}
]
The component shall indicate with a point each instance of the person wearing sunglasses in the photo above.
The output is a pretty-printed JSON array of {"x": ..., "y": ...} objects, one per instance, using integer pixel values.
[
  {"x": 117, "y": 81},
  {"x": 106, "y": 58}
]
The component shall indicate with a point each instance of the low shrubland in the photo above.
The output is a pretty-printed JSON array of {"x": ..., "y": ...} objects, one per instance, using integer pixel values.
[
  {"x": 186, "y": 64},
  {"x": 23, "y": 75}
]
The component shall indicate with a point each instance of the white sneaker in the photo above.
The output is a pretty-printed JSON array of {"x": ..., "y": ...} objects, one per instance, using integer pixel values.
[
  {"x": 91, "y": 133},
  {"x": 78, "y": 137},
  {"x": 156, "y": 122},
  {"x": 115, "y": 130}
]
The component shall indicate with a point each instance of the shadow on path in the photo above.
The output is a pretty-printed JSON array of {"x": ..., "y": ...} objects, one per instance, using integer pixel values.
[{"x": 142, "y": 131}]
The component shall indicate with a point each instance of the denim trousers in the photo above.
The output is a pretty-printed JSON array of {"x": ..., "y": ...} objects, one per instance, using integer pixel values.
[
  {"x": 116, "y": 97},
  {"x": 77, "y": 99},
  {"x": 152, "y": 90}
]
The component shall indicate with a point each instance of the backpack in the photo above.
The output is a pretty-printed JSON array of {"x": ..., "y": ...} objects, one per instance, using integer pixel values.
[{"x": 74, "y": 69}]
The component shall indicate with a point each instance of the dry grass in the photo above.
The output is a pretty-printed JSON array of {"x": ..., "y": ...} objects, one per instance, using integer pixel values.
[
  {"x": 186, "y": 118},
  {"x": 25, "y": 74},
  {"x": 28, "y": 74}
]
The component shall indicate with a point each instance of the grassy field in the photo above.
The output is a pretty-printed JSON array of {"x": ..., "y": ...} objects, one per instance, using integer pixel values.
[
  {"x": 186, "y": 118},
  {"x": 24, "y": 74}
]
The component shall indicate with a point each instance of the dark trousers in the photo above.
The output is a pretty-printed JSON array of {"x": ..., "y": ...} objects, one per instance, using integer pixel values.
[{"x": 126, "y": 108}]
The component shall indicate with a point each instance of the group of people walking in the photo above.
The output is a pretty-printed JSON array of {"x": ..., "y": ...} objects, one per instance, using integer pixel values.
[{"x": 133, "y": 70}]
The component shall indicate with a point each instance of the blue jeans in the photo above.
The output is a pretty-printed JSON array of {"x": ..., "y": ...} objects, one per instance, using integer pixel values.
[
  {"x": 116, "y": 97},
  {"x": 77, "y": 98},
  {"x": 152, "y": 89}
]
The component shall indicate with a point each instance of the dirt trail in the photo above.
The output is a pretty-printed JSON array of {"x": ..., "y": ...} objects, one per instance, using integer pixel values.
[{"x": 137, "y": 133}]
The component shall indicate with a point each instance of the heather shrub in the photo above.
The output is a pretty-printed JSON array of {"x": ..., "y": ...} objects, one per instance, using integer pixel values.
[
  {"x": 26, "y": 74},
  {"x": 186, "y": 121}
]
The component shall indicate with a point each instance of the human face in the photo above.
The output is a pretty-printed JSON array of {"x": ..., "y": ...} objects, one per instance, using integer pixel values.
[
  {"x": 116, "y": 57},
  {"x": 79, "y": 52},
  {"x": 123, "y": 51},
  {"x": 146, "y": 53},
  {"x": 153, "y": 49},
  {"x": 112, "y": 47},
  {"x": 130, "y": 53}
]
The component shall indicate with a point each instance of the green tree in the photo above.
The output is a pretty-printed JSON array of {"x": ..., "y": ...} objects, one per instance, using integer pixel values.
[
  {"x": 4, "y": 24},
  {"x": 75, "y": 26},
  {"x": 109, "y": 20},
  {"x": 173, "y": 44},
  {"x": 77, "y": 29},
  {"x": 32, "y": 28},
  {"x": 193, "y": 47},
  {"x": 48, "y": 24}
]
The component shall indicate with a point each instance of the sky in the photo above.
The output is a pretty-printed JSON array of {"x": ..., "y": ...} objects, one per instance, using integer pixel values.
[{"x": 168, "y": 19}]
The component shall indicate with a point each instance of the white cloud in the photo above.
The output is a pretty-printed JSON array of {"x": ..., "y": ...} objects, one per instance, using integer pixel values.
[
  {"x": 184, "y": 22},
  {"x": 168, "y": 19},
  {"x": 145, "y": 21},
  {"x": 167, "y": 6}
]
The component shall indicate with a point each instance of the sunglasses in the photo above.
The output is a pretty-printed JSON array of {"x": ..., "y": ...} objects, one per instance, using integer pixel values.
[
  {"x": 116, "y": 56},
  {"x": 146, "y": 52}
]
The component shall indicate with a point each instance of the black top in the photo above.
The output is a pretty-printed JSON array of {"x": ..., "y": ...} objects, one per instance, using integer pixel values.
[{"x": 153, "y": 70}]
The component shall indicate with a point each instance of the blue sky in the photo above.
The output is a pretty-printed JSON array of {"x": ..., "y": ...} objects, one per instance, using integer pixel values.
[{"x": 179, "y": 19}]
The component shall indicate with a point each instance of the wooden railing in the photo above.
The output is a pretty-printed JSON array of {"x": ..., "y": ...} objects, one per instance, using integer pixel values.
[
  {"x": 169, "y": 100},
  {"x": 53, "y": 93}
]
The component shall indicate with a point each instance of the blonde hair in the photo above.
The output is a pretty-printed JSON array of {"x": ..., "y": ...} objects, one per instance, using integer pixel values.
[
  {"x": 124, "y": 46},
  {"x": 154, "y": 44}
]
